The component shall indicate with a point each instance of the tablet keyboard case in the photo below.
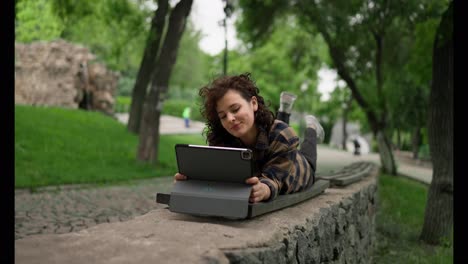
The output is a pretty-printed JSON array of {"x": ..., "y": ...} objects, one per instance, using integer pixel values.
[{"x": 216, "y": 181}]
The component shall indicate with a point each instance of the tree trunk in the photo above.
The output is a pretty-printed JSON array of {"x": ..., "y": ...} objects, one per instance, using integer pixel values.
[
  {"x": 147, "y": 66},
  {"x": 147, "y": 150},
  {"x": 149, "y": 129},
  {"x": 386, "y": 154},
  {"x": 345, "y": 120},
  {"x": 416, "y": 141},
  {"x": 345, "y": 134},
  {"x": 385, "y": 144},
  {"x": 398, "y": 139},
  {"x": 438, "y": 218}
]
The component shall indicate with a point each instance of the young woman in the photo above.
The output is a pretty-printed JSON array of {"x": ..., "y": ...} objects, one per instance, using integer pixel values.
[{"x": 237, "y": 116}]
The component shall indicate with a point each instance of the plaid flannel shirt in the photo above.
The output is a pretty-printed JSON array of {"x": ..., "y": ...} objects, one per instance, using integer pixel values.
[{"x": 279, "y": 164}]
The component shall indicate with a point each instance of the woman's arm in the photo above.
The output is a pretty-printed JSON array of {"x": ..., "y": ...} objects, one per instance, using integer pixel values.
[
  {"x": 278, "y": 173},
  {"x": 260, "y": 191}
]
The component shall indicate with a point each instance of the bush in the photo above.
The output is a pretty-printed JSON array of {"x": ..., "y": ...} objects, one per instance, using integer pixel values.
[
  {"x": 175, "y": 107},
  {"x": 125, "y": 86},
  {"x": 374, "y": 146},
  {"x": 122, "y": 104},
  {"x": 424, "y": 152}
]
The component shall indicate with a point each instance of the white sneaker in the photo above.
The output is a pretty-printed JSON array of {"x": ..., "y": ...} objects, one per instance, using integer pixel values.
[
  {"x": 286, "y": 102},
  {"x": 313, "y": 123}
]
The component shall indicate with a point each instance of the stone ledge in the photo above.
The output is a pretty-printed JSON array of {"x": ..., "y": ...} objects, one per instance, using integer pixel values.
[{"x": 336, "y": 226}]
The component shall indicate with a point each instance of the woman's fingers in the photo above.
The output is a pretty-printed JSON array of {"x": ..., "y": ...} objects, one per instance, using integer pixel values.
[
  {"x": 258, "y": 193},
  {"x": 179, "y": 177},
  {"x": 252, "y": 180},
  {"x": 256, "y": 188}
]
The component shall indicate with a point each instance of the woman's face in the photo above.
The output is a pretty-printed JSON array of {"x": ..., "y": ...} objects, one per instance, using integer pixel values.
[{"x": 237, "y": 116}]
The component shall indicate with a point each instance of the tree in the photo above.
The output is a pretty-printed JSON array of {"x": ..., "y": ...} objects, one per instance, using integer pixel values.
[
  {"x": 408, "y": 103},
  {"x": 288, "y": 60},
  {"x": 359, "y": 35},
  {"x": 149, "y": 129},
  {"x": 147, "y": 66},
  {"x": 35, "y": 20},
  {"x": 438, "y": 219},
  {"x": 113, "y": 30},
  {"x": 191, "y": 70}
]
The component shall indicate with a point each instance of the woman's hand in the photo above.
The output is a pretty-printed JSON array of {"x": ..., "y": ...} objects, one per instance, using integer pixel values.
[
  {"x": 260, "y": 191},
  {"x": 179, "y": 177}
]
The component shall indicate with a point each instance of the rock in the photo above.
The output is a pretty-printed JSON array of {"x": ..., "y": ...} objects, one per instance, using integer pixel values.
[{"x": 63, "y": 74}]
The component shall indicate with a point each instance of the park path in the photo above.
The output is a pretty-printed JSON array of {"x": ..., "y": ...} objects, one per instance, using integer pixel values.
[
  {"x": 171, "y": 125},
  {"x": 63, "y": 209}
]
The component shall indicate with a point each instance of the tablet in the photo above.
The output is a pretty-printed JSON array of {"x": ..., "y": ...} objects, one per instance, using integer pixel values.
[{"x": 211, "y": 163}]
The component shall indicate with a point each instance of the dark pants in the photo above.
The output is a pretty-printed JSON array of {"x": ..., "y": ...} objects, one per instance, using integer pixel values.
[{"x": 308, "y": 146}]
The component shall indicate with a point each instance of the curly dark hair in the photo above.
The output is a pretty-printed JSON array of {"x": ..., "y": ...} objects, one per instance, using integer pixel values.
[{"x": 216, "y": 135}]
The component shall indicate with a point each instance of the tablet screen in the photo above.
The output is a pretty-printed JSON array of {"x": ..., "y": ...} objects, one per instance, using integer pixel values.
[{"x": 214, "y": 163}]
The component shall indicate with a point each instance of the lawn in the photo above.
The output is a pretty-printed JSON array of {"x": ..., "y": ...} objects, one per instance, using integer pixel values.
[
  {"x": 69, "y": 146},
  {"x": 399, "y": 221}
]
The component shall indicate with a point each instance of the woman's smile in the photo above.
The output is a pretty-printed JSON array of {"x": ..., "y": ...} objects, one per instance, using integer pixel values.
[
  {"x": 236, "y": 127},
  {"x": 237, "y": 115}
]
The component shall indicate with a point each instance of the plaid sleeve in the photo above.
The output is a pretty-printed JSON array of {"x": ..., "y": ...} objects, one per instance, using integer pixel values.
[
  {"x": 272, "y": 184},
  {"x": 279, "y": 172}
]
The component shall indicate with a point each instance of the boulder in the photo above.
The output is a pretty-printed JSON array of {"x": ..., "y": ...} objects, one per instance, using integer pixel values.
[{"x": 63, "y": 74}]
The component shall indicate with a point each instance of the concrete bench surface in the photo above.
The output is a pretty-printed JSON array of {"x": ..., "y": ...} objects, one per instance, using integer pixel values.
[{"x": 161, "y": 236}]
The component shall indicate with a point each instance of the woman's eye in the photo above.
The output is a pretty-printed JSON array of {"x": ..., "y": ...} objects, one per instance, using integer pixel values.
[
  {"x": 236, "y": 110},
  {"x": 222, "y": 117}
]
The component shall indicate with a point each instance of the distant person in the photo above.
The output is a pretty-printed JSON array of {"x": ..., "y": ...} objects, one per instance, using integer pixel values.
[
  {"x": 357, "y": 147},
  {"x": 238, "y": 117},
  {"x": 186, "y": 116}
]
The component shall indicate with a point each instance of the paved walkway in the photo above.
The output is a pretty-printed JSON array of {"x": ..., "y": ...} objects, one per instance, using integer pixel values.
[
  {"x": 72, "y": 208},
  {"x": 171, "y": 125}
]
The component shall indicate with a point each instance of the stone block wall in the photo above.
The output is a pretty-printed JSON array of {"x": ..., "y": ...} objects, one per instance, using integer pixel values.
[
  {"x": 341, "y": 233},
  {"x": 337, "y": 226}
]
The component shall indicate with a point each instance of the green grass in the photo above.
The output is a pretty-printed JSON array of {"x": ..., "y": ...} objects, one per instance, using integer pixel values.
[
  {"x": 122, "y": 104},
  {"x": 400, "y": 218},
  {"x": 67, "y": 146}
]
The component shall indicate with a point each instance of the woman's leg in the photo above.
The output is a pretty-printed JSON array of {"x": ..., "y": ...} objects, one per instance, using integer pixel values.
[
  {"x": 283, "y": 116},
  {"x": 309, "y": 150},
  {"x": 286, "y": 103}
]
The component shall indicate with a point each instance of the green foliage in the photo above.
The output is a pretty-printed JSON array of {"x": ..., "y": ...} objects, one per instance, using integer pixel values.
[
  {"x": 408, "y": 103},
  {"x": 122, "y": 104},
  {"x": 35, "y": 21},
  {"x": 399, "y": 220},
  {"x": 286, "y": 59},
  {"x": 331, "y": 111},
  {"x": 175, "y": 107},
  {"x": 258, "y": 19},
  {"x": 67, "y": 146},
  {"x": 353, "y": 30},
  {"x": 190, "y": 71},
  {"x": 424, "y": 152},
  {"x": 115, "y": 31},
  {"x": 405, "y": 140},
  {"x": 374, "y": 146},
  {"x": 125, "y": 85}
]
